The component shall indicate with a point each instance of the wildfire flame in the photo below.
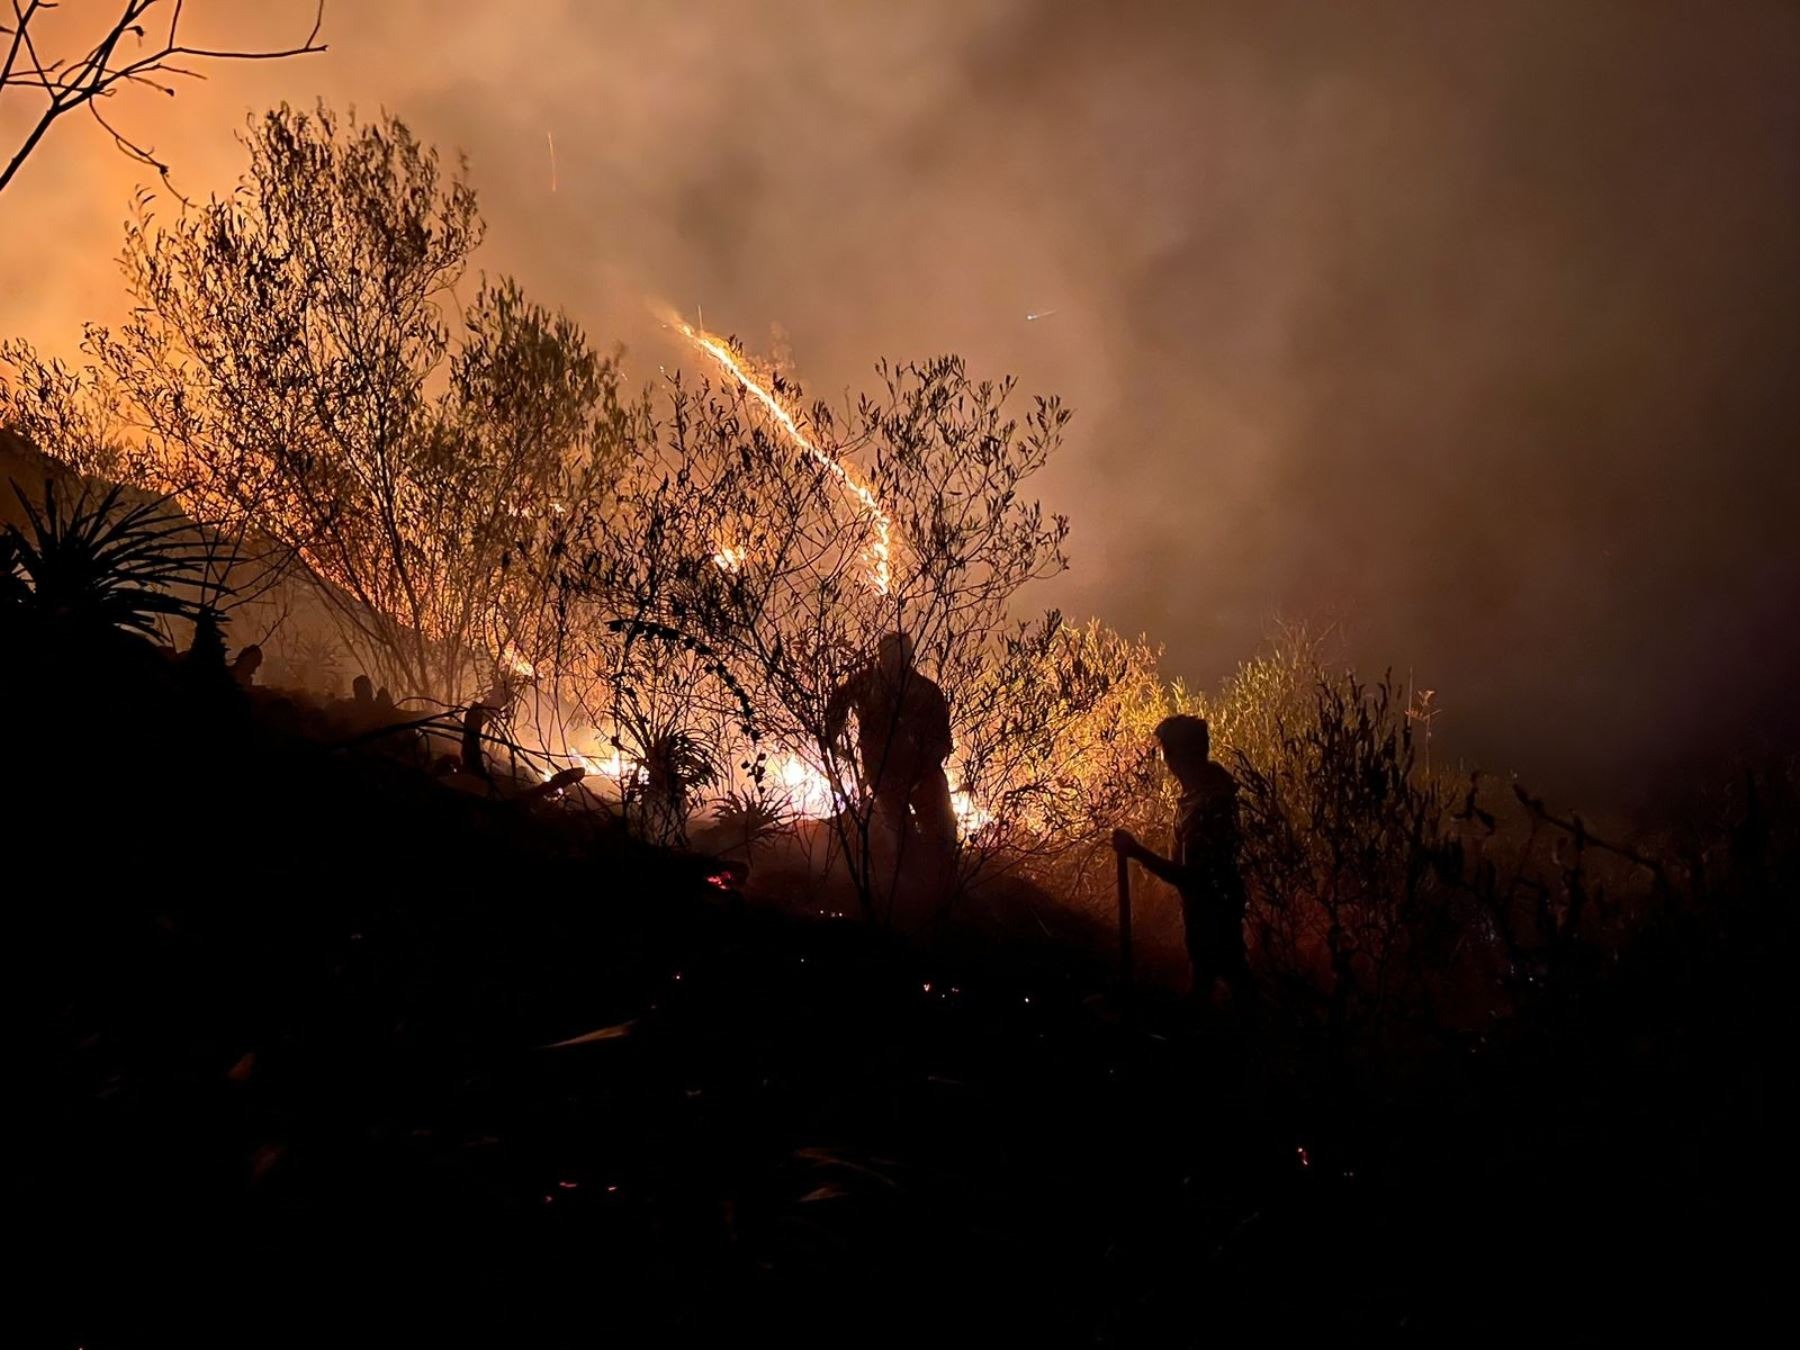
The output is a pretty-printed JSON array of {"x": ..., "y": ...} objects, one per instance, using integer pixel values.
[
  {"x": 806, "y": 791},
  {"x": 613, "y": 766},
  {"x": 880, "y": 551},
  {"x": 971, "y": 819},
  {"x": 801, "y": 786}
]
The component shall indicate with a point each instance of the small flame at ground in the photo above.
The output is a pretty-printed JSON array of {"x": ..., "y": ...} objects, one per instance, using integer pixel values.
[
  {"x": 800, "y": 786},
  {"x": 613, "y": 766},
  {"x": 808, "y": 793}
]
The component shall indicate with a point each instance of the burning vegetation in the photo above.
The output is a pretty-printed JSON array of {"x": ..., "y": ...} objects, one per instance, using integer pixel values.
[
  {"x": 606, "y": 641},
  {"x": 641, "y": 606}
]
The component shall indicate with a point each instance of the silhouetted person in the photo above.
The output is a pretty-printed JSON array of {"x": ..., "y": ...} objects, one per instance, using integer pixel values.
[
  {"x": 475, "y": 721},
  {"x": 362, "y": 691},
  {"x": 473, "y": 761},
  {"x": 1204, "y": 865},
  {"x": 903, "y": 734},
  {"x": 207, "y": 646},
  {"x": 246, "y": 664},
  {"x": 384, "y": 701}
]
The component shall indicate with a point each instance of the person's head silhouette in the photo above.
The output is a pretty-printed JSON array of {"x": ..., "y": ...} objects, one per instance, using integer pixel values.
[
  {"x": 894, "y": 655},
  {"x": 1186, "y": 745}
]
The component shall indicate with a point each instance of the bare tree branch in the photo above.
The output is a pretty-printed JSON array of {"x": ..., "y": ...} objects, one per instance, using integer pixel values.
[{"x": 67, "y": 85}]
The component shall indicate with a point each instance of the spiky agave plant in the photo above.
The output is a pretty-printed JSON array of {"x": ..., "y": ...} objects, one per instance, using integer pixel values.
[
  {"x": 750, "y": 818},
  {"x": 95, "y": 563},
  {"x": 676, "y": 763},
  {"x": 13, "y": 588},
  {"x": 673, "y": 762}
]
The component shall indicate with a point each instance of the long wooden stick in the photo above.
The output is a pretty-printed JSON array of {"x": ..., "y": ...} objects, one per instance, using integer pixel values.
[{"x": 1124, "y": 920}]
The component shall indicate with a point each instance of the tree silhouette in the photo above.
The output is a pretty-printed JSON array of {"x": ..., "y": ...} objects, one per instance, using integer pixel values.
[{"x": 298, "y": 366}]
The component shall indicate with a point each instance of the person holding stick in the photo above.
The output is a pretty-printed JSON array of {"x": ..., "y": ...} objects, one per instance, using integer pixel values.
[{"x": 1204, "y": 865}]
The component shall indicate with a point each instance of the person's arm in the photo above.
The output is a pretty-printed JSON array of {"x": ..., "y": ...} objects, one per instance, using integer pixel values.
[
  {"x": 938, "y": 742},
  {"x": 837, "y": 711},
  {"x": 1177, "y": 874}
]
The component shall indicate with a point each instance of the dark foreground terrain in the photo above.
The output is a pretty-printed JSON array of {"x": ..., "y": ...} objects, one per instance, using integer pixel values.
[{"x": 283, "y": 1069}]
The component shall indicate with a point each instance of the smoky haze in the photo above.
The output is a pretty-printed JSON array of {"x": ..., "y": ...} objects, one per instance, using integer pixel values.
[{"x": 1470, "y": 326}]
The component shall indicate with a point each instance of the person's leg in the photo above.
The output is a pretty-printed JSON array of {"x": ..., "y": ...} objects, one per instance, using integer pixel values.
[
  {"x": 1201, "y": 960},
  {"x": 1239, "y": 980},
  {"x": 890, "y": 812},
  {"x": 1234, "y": 954},
  {"x": 889, "y": 841},
  {"x": 936, "y": 813}
]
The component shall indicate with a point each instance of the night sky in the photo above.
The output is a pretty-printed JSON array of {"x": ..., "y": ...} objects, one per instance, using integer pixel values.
[{"x": 1471, "y": 327}]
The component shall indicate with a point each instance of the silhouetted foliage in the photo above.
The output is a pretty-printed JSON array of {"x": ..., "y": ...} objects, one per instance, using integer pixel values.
[
  {"x": 724, "y": 531},
  {"x": 297, "y": 367},
  {"x": 1343, "y": 836},
  {"x": 98, "y": 563}
]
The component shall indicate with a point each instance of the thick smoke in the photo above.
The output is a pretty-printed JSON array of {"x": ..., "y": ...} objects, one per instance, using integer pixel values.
[{"x": 1473, "y": 326}]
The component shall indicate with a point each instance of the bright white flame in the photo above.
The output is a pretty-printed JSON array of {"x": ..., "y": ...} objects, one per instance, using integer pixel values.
[
  {"x": 514, "y": 660},
  {"x": 970, "y": 818},
  {"x": 613, "y": 766},
  {"x": 805, "y": 790},
  {"x": 729, "y": 559}
]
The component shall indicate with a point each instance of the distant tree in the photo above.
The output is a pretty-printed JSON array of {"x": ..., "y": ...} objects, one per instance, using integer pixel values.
[
  {"x": 298, "y": 366},
  {"x": 73, "y": 69}
]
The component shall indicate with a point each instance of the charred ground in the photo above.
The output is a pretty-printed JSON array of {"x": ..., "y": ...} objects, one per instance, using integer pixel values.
[{"x": 280, "y": 1057}]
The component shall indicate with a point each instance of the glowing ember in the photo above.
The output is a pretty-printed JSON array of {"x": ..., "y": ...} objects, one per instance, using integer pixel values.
[{"x": 879, "y": 555}]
